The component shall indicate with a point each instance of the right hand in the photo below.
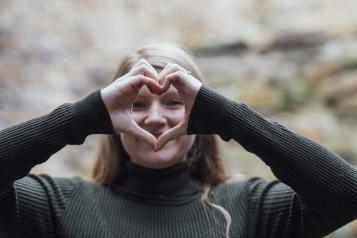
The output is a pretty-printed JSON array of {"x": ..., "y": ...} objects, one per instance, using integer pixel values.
[{"x": 120, "y": 95}]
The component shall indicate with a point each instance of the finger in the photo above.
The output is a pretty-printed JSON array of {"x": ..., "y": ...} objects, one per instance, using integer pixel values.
[
  {"x": 186, "y": 85},
  {"x": 150, "y": 67},
  {"x": 167, "y": 66},
  {"x": 143, "y": 135},
  {"x": 179, "y": 67},
  {"x": 137, "y": 68},
  {"x": 168, "y": 69},
  {"x": 140, "y": 62},
  {"x": 139, "y": 80},
  {"x": 174, "y": 78},
  {"x": 171, "y": 69},
  {"x": 171, "y": 134},
  {"x": 166, "y": 84},
  {"x": 144, "y": 70}
]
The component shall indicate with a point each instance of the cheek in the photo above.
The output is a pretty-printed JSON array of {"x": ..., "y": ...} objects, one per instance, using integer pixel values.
[
  {"x": 173, "y": 116},
  {"x": 138, "y": 116},
  {"x": 185, "y": 142},
  {"x": 129, "y": 143}
]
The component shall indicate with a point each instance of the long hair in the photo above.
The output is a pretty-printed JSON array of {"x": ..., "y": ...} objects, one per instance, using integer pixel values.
[{"x": 206, "y": 164}]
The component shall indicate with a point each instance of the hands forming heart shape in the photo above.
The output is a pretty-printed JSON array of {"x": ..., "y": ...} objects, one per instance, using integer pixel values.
[{"x": 120, "y": 95}]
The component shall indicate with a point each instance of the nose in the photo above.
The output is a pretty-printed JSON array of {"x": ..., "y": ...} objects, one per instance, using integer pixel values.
[{"x": 155, "y": 119}]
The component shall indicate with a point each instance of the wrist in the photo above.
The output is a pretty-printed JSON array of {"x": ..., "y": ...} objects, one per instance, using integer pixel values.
[
  {"x": 93, "y": 115},
  {"x": 208, "y": 113}
]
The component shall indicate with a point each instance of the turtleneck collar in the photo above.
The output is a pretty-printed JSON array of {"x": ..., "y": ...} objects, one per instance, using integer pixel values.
[{"x": 167, "y": 186}]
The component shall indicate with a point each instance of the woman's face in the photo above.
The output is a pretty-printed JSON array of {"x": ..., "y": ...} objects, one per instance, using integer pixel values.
[{"x": 157, "y": 114}]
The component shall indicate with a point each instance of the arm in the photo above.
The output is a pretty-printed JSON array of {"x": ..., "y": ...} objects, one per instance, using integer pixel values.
[
  {"x": 324, "y": 187},
  {"x": 33, "y": 142}
]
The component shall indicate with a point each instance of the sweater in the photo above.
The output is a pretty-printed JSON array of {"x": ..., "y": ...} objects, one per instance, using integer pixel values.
[{"x": 314, "y": 194}]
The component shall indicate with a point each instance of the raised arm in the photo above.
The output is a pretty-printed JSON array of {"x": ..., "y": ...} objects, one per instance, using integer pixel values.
[
  {"x": 34, "y": 204},
  {"x": 322, "y": 188},
  {"x": 32, "y": 142}
]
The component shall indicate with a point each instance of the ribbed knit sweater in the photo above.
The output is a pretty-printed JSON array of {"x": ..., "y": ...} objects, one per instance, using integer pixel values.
[{"x": 316, "y": 190}]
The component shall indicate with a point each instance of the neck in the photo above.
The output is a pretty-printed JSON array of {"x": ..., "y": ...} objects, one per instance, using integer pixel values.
[{"x": 167, "y": 185}]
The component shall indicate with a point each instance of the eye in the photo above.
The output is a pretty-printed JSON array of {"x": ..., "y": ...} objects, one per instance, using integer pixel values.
[
  {"x": 174, "y": 103},
  {"x": 139, "y": 104}
]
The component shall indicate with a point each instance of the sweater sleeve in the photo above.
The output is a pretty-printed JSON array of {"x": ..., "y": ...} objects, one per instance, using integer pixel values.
[
  {"x": 317, "y": 190},
  {"x": 33, "y": 203}
]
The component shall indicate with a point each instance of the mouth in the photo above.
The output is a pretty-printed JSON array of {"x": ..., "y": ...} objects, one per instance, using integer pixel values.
[{"x": 157, "y": 134}]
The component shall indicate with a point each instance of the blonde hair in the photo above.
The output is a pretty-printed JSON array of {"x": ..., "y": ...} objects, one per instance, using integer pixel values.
[{"x": 207, "y": 165}]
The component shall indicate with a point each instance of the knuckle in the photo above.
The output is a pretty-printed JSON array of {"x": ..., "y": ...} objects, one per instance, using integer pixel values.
[
  {"x": 139, "y": 79},
  {"x": 175, "y": 66},
  {"x": 143, "y": 78},
  {"x": 142, "y": 67},
  {"x": 181, "y": 74}
]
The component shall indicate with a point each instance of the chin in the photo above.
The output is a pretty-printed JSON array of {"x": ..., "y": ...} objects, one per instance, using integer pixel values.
[
  {"x": 165, "y": 157},
  {"x": 143, "y": 154}
]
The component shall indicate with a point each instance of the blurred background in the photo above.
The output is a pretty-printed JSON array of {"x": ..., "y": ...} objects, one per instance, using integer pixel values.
[{"x": 293, "y": 61}]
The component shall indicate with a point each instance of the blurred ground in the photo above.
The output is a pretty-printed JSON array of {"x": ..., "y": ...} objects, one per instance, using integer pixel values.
[{"x": 293, "y": 61}]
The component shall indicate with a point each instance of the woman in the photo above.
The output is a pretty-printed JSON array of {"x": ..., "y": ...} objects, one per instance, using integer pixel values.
[{"x": 158, "y": 173}]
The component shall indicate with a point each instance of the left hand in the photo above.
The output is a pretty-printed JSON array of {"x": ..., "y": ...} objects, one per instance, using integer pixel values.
[{"x": 187, "y": 87}]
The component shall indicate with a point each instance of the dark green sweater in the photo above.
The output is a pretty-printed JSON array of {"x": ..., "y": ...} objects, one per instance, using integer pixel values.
[{"x": 316, "y": 192}]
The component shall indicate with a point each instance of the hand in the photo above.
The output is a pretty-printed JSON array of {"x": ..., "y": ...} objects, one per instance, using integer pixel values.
[
  {"x": 187, "y": 87},
  {"x": 120, "y": 95}
]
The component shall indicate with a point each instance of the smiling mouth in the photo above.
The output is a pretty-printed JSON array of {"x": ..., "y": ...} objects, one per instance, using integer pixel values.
[{"x": 157, "y": 134}]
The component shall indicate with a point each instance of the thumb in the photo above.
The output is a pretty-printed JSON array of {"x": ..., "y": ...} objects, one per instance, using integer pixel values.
[
  {"x": 170, "y": 134},
  {"x": 143, "y": 135}
]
